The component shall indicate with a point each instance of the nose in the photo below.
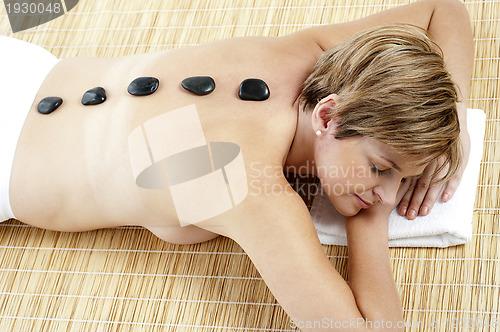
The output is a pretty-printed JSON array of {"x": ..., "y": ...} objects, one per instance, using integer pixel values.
[{"x": 387, "y": 191}]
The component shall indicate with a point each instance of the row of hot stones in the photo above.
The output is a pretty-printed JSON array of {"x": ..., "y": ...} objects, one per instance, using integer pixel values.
[{"x": 250, "y": 89}]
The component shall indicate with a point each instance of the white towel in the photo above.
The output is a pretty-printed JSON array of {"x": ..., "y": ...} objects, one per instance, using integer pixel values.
[{"x": 447, "y": 224}]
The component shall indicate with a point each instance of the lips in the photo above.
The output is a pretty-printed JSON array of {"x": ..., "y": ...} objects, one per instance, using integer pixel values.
[{"x": 362, "y": 203}]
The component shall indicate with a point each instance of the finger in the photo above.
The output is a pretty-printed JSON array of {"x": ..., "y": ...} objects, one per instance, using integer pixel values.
[
  {"x": 451, "y": 187},
  {"x": 405, "y": 201},
  {"x": 432, "y": 193},
  {"x": 430, "y": 199},
  {"x": 421, "y": 188}
]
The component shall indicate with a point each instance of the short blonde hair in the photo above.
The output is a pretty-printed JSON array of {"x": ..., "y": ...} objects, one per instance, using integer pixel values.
[{"x": 393, "y": 87}]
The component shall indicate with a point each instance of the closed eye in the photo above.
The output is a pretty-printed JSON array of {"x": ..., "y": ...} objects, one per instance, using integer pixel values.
[{"x": 377, "y": 170}]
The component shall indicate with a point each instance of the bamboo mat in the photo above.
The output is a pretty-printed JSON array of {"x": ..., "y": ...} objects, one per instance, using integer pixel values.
[{"x": 126, "y": 279}]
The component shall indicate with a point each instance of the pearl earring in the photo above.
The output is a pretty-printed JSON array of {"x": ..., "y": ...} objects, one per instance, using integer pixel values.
[{"x": 318, "y": 132}]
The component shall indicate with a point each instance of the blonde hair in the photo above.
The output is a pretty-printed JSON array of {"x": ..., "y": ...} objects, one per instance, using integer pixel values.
[{"x": 393, "y": 87}]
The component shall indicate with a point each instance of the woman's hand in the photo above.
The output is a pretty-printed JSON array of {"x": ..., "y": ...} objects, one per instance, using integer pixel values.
[{"x": 424, "y": 191}]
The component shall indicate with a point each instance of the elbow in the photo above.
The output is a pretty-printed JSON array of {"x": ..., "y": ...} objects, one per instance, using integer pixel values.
[
  {"x": 454, "y": 9},
  {"x": 450, "y": 23}
]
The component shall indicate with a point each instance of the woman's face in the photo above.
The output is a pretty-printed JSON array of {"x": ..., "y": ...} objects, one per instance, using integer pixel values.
[{"x": 360, "y": 171}]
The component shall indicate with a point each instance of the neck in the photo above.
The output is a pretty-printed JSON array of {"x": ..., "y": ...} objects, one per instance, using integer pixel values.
[{"x": 300, "y": 159}]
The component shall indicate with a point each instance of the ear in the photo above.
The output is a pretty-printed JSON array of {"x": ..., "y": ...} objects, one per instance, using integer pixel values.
[{"x": 321, "y": 116}]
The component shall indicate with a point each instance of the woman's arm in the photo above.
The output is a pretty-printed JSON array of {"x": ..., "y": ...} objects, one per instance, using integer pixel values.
[
  {"x": 370, "y": 275},
  {"x": 329, "y": 36},
  {"x": 277, "y": 233}
]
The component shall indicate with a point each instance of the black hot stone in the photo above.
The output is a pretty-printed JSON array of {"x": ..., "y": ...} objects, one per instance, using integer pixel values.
[
  {"x": 254, "y": 89},
  {"x": 94, "y": 96},
  {"x": 199, "y": 85},
  {"x": 49, "y": 104},
  {"x": 143, "y": 86}
]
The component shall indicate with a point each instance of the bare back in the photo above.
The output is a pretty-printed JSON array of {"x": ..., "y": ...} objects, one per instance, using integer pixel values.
[{"x": 72, "y": 169}]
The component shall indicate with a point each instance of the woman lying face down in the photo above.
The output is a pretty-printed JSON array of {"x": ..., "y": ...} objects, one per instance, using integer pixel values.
[{"x": 377, "y": 109}]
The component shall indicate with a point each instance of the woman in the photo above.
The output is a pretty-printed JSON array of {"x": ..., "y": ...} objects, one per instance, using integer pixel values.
[{"x": 84, "y": 167}]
